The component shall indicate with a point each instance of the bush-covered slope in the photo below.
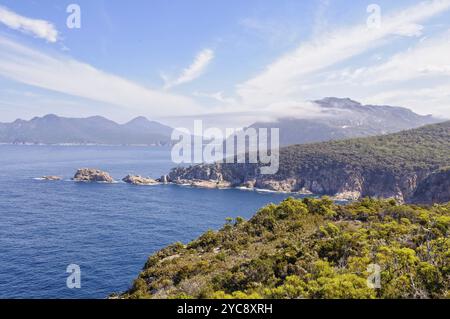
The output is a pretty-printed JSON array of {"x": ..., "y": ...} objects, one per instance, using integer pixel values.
[{"x": 310, "y": 248}]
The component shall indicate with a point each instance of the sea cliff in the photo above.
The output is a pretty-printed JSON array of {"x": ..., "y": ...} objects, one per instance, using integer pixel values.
[{"x": 387, "y": 166}]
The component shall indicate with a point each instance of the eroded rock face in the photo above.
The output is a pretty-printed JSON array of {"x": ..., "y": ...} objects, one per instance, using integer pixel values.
[
  {"x": 340, "y": 181},
  {"x": 92, "y": 175},
  {"x": 200, "y": 183},
  {"x": 164, "y": 179},
  {"x": 139, "y": 180},
  {"x": 433, "y": 189}
]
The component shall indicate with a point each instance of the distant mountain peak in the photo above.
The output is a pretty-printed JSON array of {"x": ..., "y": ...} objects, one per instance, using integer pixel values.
[
  {"x": 335, "y": 102},
  {"x": 98, "y": 117},
  {"x": 139, "y": 120},
  {"x": 50, "y": 116},
  {"x": 47, "y": 117},
  {"x": 338, "y": 99}
]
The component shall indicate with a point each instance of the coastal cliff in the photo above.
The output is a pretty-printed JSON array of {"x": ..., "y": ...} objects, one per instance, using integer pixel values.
[
  {"x": 388, "y": 166},
  {"x": 434, "y": 189}
]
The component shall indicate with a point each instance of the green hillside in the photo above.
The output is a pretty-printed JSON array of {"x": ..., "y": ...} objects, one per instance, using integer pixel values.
[
  {"x": 425, "y": 147},
  {"x": 310, "y": 248}
]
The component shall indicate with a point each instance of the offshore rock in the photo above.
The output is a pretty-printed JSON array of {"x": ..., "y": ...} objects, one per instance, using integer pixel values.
[
  {"x": 92, "y": 175},
  {"x": 139, "y": 180}
]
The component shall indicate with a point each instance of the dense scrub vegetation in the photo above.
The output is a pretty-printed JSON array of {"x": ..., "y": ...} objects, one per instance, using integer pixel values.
[
  {"x": 427, "y": 147},
  {"x": 311, "y": 248}
]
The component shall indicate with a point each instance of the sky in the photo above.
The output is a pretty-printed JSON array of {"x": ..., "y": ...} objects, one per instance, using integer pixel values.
[{"x": 229, "y": 62}]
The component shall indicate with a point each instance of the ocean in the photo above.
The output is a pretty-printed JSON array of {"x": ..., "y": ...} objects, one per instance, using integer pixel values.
[{"x": 109, "y": 230}]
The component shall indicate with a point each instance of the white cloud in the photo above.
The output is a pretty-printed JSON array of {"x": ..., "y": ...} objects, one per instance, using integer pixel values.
[
  {"x": 195, "y": 70},
  {"x": 218, "y": 96},
  {"x": 282, "y": 79},
  {"x": 430, "y": 58},
  {"x": 418, "y": 78},
  {"x": 320, "y": 20},
  {"x": 435, "y": 100},
  {"x": 409, "y": 30},
  {"x": 38, "y": 28},
  {"x": 65, "y": 75}
]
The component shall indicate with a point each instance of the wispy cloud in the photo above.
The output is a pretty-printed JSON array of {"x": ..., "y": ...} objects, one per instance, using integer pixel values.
[
  {"x": 195, "y": 70},
  {"x": 320, "y": 21},
  {"x": 282, "y": 80},
  {"x": 418, "y": 78},
  {"x": 433, "y": 100},
  {"x": 429, "y": 58},
  {"x": 274, "y": 31},
  {"x": 63, "y": 74},
  {"x": 38, "y": 28},
  {"x": 218, "y": 96}
]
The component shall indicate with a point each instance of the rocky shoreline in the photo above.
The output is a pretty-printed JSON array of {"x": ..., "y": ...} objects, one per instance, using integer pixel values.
[
  {"x": 287, "y": 186},
  {"x": 92, "y": 175},
  {"x": 210, "y": 177},
  {"x": 419, "y": 187},
  {"x": 423, "y": 190},
  {"x": 340, "y": 185},
  {"x": 423, "y": 187}
]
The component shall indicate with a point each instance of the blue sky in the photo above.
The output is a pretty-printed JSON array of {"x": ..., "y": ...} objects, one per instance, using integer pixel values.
[{"x": 232, "y": 61}]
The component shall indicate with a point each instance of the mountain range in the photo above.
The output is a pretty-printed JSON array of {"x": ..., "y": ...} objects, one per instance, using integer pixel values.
[
  {"x": 339, "y": 118},
  {"x": 52, "y": 129}
]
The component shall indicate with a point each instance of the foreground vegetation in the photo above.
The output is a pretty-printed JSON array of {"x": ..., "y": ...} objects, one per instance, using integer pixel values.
[{"x": 311, "y": 248}]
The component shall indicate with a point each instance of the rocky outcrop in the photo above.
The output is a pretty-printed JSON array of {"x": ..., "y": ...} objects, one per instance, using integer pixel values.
[
  {"x": 92, "y": 175},
  {"x": 206, "y": 183},
  {"x": 343, "y": 183},
  {"x": 203, "y": 176},
  {"x": 139, "y": 180},
  {"x": 51, "y": 178},
  {"x": 164, "y": 179},
  {"x": 433, "y": 189}
]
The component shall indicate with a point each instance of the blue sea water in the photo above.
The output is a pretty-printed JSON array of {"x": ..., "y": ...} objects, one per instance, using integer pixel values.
[{"x": 109, "y": 230}]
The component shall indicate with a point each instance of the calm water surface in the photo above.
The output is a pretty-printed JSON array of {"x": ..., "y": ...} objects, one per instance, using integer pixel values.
[{"x": 108, "y": 230}]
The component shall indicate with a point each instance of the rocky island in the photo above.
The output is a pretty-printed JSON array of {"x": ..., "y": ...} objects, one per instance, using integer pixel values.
[
  {"x": 51, "y": 178},
  {"x": 139, "y": 180},
  {"x": 92, "y": 175}
]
